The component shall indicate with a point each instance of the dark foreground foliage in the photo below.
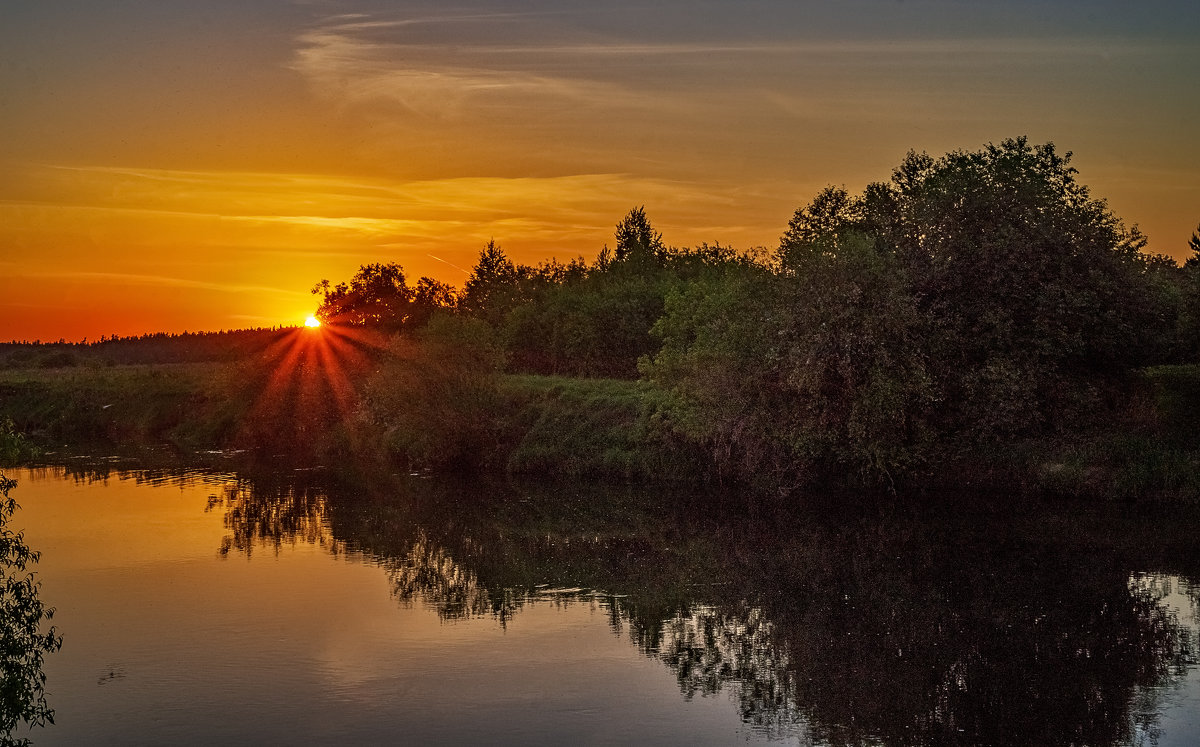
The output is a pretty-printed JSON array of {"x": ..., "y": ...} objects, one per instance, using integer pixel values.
[
  {"x": 975, "y": 300},
  {"x": 23, "y": 643}
]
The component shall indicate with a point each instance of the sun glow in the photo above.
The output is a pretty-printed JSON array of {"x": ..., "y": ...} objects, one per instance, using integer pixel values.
[
  {"x": 308, "y": 387},
  {"x": 313, "y": 322}
]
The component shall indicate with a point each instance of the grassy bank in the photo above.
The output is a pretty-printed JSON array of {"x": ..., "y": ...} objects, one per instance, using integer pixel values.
[
  {"x": 594, "y": 427},
  {"x": 531, "y": 424},
  {"x": 434, "y": 416},
  {"x": 139, "y": 404}
]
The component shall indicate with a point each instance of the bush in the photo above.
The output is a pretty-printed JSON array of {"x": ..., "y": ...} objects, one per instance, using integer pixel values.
[
  {"x": 435, "y": 398},
  {"x": 14, "y": 446}
]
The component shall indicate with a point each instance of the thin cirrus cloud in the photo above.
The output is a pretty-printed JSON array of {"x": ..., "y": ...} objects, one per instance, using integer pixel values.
[
  {"x": 376, "y": 61},
  {"x": 368, "y": 206},
  {"x": 456, "y": 94},
  {"x": 124, "y": 278},
  {"x": 354, "y": 71}
]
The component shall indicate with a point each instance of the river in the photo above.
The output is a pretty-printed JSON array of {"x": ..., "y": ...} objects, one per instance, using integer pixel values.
[{"x": 283, "y": 606}]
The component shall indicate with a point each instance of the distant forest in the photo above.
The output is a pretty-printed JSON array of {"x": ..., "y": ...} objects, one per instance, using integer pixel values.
[{"x": 158, "y": 347}]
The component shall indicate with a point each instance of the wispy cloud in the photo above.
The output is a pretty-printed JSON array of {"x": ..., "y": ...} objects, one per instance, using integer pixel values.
[
  {"x": 323, "y": 216},
  {"x": 368, "y": 227},
  {"x": 412, "y": 75},
  {"x": 431, "y": 81},
  {"x": 363, "y": 204},
  {"x": 123, "y": 278}
]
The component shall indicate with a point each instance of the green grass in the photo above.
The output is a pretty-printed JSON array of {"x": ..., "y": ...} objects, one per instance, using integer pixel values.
[
  {"x": 601, "y": 427},
  {"x": 1123, "y": 467},
  {"x": 141, "y": 403}
]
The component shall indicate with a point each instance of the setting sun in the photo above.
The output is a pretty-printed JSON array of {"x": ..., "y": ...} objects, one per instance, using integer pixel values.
[{"x": 312, "y": 321}]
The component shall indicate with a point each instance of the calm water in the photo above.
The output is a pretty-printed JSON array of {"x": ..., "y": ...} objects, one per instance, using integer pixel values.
[{"x": 280, "y": 608}]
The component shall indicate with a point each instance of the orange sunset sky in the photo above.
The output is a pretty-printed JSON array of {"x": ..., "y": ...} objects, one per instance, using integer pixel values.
[{"x": 200, "y": 165}]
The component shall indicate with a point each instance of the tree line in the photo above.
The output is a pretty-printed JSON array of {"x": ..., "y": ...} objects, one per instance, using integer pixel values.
[
  {"x": 150, "y": 348},
  {"x": 971, "y": 299}
]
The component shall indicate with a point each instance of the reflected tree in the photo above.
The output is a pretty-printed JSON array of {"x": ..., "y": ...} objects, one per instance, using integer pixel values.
[
  {"x": 427, "y": 572},
  {"x": 842, "y": 627},
  {"x": 273, "y": 516},
  {"x": 23, "y": 643},
  {"x": 916, "y": 635}
]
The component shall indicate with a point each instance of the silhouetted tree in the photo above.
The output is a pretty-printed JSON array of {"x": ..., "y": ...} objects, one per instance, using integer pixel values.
[
  {"x": 593, "y": 321},
  {"x": 379, "y": 296},
  {"x": 636, "y": 238},
  {"x": 973, "y": 298},
  {"x": 493, "y": 289},
  {"x": 1028, "y": 288},
  {"x": 429, "y": 297},
  {"x": 23, "y": 644}
]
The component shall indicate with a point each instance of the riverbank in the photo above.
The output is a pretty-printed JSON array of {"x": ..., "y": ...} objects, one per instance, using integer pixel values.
[{"x": 601, "y": 428}]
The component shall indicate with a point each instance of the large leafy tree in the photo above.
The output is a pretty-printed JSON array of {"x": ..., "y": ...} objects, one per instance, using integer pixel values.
[
  {"x": 971, "y": 299},
  {"x": 718, "y": 369},
  {"x": 1029, "y": 291},
  {"x": 377, "y": 295},
  {"x": 1190, "y": 301},
  {"x": 816, "y": 368}
]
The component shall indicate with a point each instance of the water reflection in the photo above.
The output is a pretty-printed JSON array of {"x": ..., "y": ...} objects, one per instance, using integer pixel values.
[
  {"x": 271, "y": 516},
  {"x": 841, "y": 626}
]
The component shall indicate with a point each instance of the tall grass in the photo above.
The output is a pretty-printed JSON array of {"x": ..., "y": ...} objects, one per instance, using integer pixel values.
[
  {"x": 603, "y": 427},
  {"x": 86, "y": 404}
]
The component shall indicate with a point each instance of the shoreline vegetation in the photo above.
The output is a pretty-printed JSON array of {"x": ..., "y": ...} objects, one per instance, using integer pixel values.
[
  {"x": 977, "y": 320},
  {"x": 567, "y": 427}
]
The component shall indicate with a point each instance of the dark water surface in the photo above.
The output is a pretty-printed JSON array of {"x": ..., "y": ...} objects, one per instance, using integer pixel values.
[{"x": 283, "y": 607}]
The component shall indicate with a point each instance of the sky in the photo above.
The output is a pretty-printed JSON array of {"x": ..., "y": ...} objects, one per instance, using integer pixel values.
[{"x": 172, "y": 165}]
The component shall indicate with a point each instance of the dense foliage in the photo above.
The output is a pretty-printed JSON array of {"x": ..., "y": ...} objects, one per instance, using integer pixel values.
[
  {"x": 14, "y": 445},
  {"x": 23, "y": 643},
  {"x": 446, "y": 374},
  {"x": 972, "y": 300},
  {"x": 971, "y": 306},
  {"x": 379, "y": 296}
]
